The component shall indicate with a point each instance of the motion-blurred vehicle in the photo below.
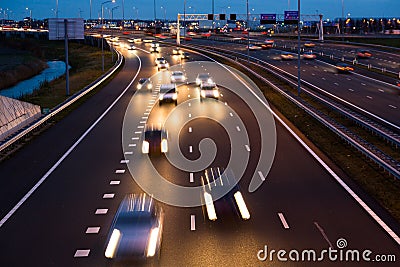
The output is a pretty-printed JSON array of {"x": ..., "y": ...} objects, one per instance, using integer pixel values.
[
  {"x": 254, "y": 47},
  {"x": 287, "y": 56},
  {"x": 208, "y": 90},
  {"x": 176, "y": 51},
  {"x": 309, "y": 44},
  {"x": 343, "y": 67},
  {"x": 137, "y": 40},
  {"x": 162, "y": 65},
  {"x": 136, "y": 231},
  {"x": 158, "y": 60},
  {"x": 178, "y": 76},
  {"x": 269, "y": 41},
  {"x": 364, "y": 54},
  {"x": 144, "y": 83},
  {"x": 217, "y": 182},
  {"x": 155, "y": 141},
  {"x": 131, "y": 47},
  {"x": 203, "y": 77},
  {"x": 309, "y": 55},
  {"x": 154, "y": 49},
  {"x": 184, "y": 55},
  {"x": 266, "y": 46},
  {"x": 168, "y": 94}
]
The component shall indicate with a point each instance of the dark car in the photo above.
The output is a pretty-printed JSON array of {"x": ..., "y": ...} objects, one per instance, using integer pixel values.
[
  {"x": 136, "y": 231},
  {"x": 343, "y": 67},
  {"x": 168, "y": 94},
  {"x": 144, "y": 83},
  {"x": 218, "y": 182},
  {"x": 155, "y": 141}
]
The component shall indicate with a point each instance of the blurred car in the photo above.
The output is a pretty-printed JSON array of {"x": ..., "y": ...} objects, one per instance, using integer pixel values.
[
  {"x": 155, "y": 44},
  {"x": 144, "y": 83},
  {"x": 155, "y": 141},
  {"x": 162, "y": 65},
  {"x": 137, "y": 40},
  {"x": 131, "y": 47},
  {"x": 158, "y": 60},
  {"x": 176, "y": 51},
  {"x": 398, "y": 83},
  {"x": 203, "y": 77},
  {"x": 218, "y": 182},
  {"x": 209, "y": 90},
  {"x": 184, "y": 55},
  {"x": 178, "y": 76},
  {"x": 287, "y": 56},
  {"x": 364, "y": 54},
  {"x": 266, "y": 46},
  {"x": 168, "y": 93},
  {"x": 309, "y": 55},
  {"x": 136, "y": 231},
  {"x": 343, "y": 67},
  {"x": 269, "y": 41},
  {"x": 254, "y": 47},
  {"x": 309, "y": 44},
  {"x": 148, "y": 40},
  {"x": 154, "y": 49}
]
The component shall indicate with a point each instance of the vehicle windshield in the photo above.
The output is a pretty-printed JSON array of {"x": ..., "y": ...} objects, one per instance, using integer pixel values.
[{"x": 142, "y": 80}]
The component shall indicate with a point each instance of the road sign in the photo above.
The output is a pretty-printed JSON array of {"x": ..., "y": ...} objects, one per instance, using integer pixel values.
[
  {"x": 74, "y": 28},
  {"x": 268, "y": 19},
  {"x": 291, "y": 17}
]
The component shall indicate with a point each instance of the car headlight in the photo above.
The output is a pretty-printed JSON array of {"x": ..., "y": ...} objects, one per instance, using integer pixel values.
[
  {"x": 139, "y": 86},
  {"x": 244, "y": 212},
  {"x": 212, "y": 215},
  {"x": 203, "y": 93},
  {"x": 152, "y": 245},
  {"x": 173, "y": 79},
  {"x": 175, "y": 96},
  {"x": 216, "y": 93},
  {"x": 164, "y": 146},
  {"x": 161, "y": 97},
  {"x": 198, "y": 81},
  {"x": 145, "y": 147},
  {"x": 113, "y": 244},
  {"x": 209, "y": 80},
  {"x": 149, "y": 86}
]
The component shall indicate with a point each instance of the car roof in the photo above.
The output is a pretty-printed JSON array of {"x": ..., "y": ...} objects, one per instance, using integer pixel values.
[
  {"x": 217, "y": 179},
  {"x": 212, "y": 84},
  {"x": 133, "y": 203},
  {"x": 178, "y": 72},
  {"x": 203, "y": 75}
]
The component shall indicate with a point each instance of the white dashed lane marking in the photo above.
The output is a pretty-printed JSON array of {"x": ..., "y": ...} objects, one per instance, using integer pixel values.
[
  {"x": 108, "y": 196},
  {"x": 283, "y": 220},
  {"x": 101, "y": 211},
  {"x": 92, "y": 230},
  {"x": 192, "y": 222},
  {"x": 119, "y": 171},
  {"x": 247, "y": 148},
  {"x": 82, "y": 253},
  {"x": 115, "y": 182}
]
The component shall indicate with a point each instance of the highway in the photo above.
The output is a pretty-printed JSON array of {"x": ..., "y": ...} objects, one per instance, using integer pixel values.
[
  {"x": 91, "y": 159},
  {"x": 365, "y": 90}
]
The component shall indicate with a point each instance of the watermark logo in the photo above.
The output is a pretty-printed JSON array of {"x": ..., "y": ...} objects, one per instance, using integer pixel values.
[{"x": 341, "y": 254}]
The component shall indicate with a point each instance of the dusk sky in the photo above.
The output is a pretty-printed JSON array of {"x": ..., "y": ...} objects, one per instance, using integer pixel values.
[{"x": 143, "y": 9}]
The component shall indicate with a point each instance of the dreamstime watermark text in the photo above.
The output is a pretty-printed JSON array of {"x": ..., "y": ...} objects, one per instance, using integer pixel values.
[{"x": 341, "y": 254}]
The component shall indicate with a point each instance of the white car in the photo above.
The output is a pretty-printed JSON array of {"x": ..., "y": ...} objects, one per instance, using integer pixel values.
[
  {"x": 203, "y": 77},
  {"x": 209, "y": 90},
  {"x": 178, "y": 76},
  {"x": 162, "y": 65},
  {"x": 254, "y": 47}
]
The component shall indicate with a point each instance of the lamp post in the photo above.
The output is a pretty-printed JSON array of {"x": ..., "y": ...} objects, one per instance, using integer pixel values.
[
  {"x": 57, "y": 9},
  {"x": 102, "y": 36},
  {"x": 112, "y": 19},
  {"x": 30, "y": 16},
  {"x": 248, "y": 30},
  {"x": 342, "y": 20},
  {"x": 298, "y": 51},
  {"x": 184, "y": 21},
  {"x": 90, "y": 11},
  {"x": 165, "y": 13}
]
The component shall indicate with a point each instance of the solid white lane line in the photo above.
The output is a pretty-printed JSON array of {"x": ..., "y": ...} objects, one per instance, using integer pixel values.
[
  {"x": 283, "y": 220},
  {"x": 190, "y": 129},
  {"x": 238, "y": 128},
  {"x": 66, "y": 154},
  {"x": 82, "y": 253},
  {"x": 92, "y": 230},
  {"x": 190, "y": 149},
  {"x": 115, "y": 182},
  {"x": 192, "y": 222},
  {"x": 101, "y": 211},
  {"x": 392, "y": 106},
  {"x": 321, "y": 230},
  {"x": 124, "y": 161},
  {"x": 247, "y": 148},
  {"x": 107, "y": 196},
  {"x": 191, "y": 177},
  {"x": 119, "y": 171},
  {"x": 261, "y": 176}
]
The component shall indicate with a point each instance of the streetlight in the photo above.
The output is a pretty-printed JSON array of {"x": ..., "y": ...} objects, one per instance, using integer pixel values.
[
  {"x": 102, "y": 36},
  {"x": 136, "y": 10},
  {"x": 165, "y": 13},
  {"x": 30, "y": 16},
  {"x": 112, "y": 18}
]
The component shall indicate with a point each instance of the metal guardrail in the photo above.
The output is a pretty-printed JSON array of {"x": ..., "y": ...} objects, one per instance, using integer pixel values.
[
  {"x": 11, "y": 140},
  {"x": 367, "y": 149}
]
